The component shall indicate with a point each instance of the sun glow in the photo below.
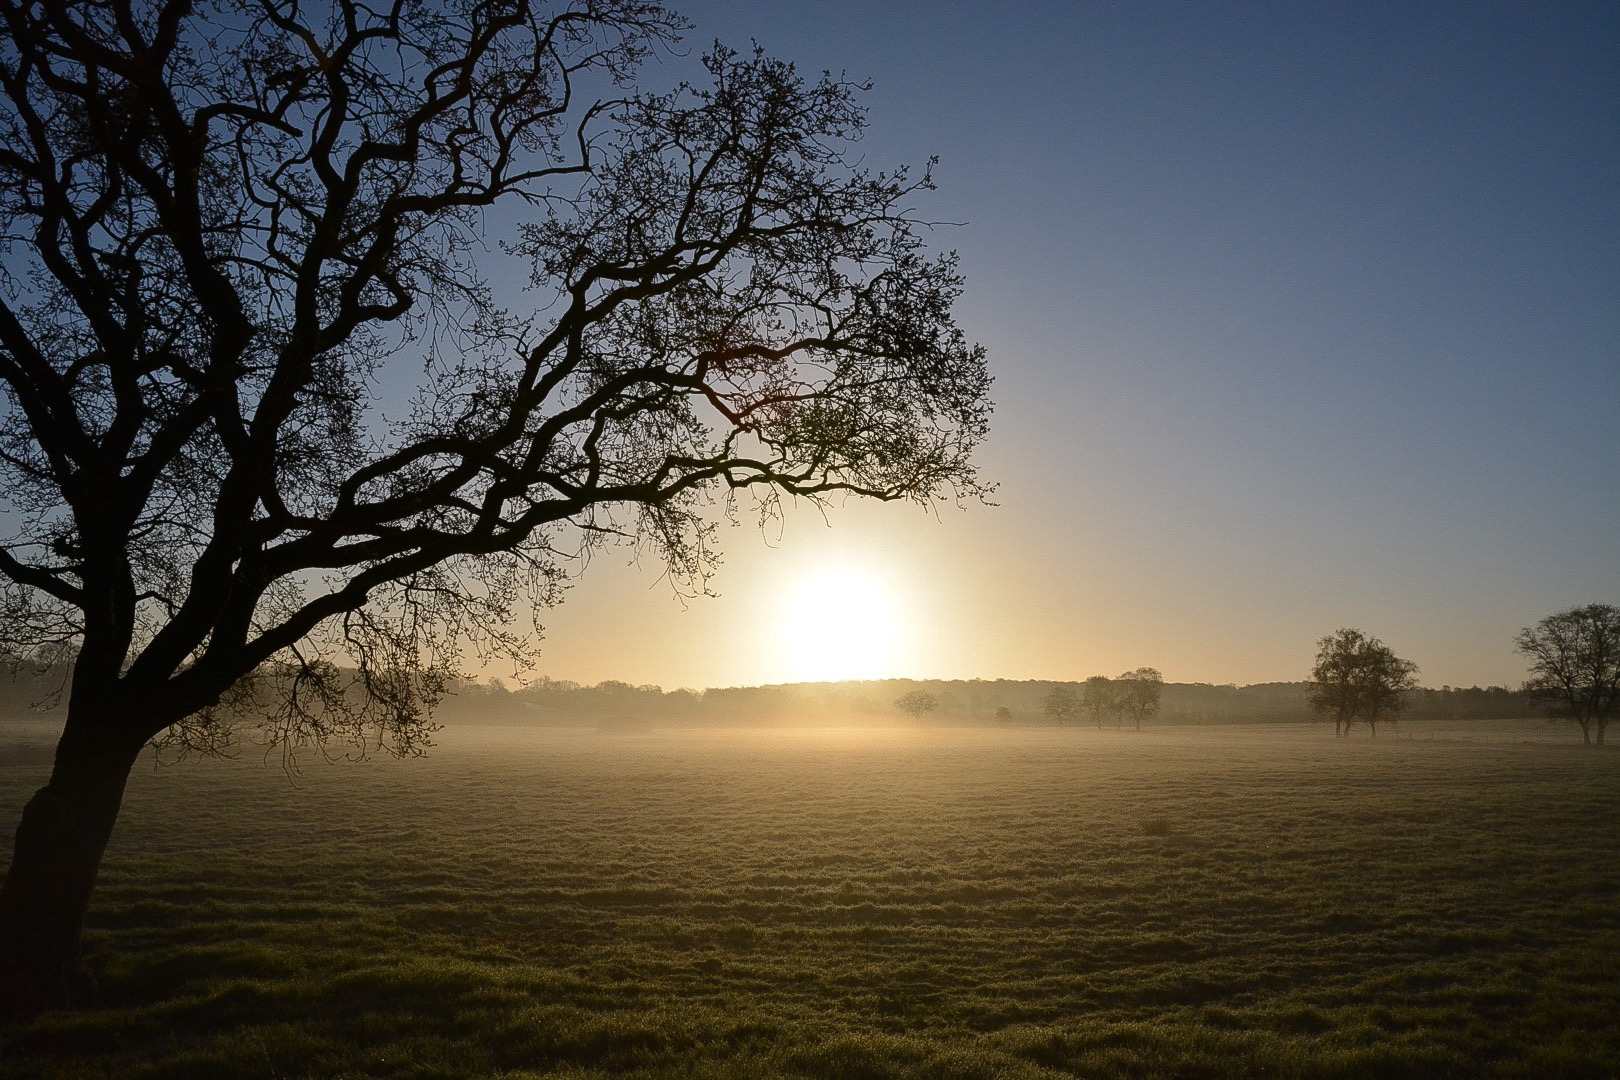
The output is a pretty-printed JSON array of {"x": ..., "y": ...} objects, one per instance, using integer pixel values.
[{"x": 839, "y": 623}]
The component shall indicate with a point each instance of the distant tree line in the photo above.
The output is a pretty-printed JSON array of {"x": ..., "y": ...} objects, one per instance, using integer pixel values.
[
  {"x": 31, "y": 684},
  {"x": 34, "y": 681},
  {"x": 1574, "y": 659},
  {"x": 1133, "y": 696}
]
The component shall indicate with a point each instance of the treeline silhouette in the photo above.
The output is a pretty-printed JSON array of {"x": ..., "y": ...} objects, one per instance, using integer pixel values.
[
  {"x": 960, "y": 701},
  {"x": 34, "y": 682},
  {"x": 33, "y": 685}
]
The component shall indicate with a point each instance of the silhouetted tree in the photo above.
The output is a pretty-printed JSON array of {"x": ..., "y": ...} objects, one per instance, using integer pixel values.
[
  {"x": 1137, "y": 693},
  {"x": 1357, "y": 677},
  {"x": 1575, "y": 662},
  {"x": 1062, "y": 703},
  {"x": 226, "y": 222},
  {"x": 917, "y": 703},
  {"x": 1099, "y": 698}
]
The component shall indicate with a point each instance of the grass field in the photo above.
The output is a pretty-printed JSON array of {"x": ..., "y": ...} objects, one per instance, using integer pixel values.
[{"x": 841, "y": 904}]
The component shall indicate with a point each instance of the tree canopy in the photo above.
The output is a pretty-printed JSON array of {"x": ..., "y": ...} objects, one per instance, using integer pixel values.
[
  {"x": 1062, "y": 703},
  {"x": 916, "y": 703},
  {"x": 1099, "y": 698},
  {"x": 1358, "y": 678},
  {"x": 234, "y": 228},
  {"x": 1575, "y": 663},
  {"x": 1137, "y": 693}
]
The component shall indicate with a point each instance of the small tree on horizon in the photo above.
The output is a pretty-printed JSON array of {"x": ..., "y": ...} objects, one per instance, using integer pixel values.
[
  {"x": 1575, "y": 663},
  {"x": 917, "y": 703},
  {"x": 1137, "y": 693},
  {"x": 1099, "y": 698},
  {"x": 1062, "y": 703},
  {"x": 1357, "y": 677}
]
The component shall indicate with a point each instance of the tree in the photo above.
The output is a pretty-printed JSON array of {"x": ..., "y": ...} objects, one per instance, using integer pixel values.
[
  {"x": 1099, "y": 698},
  {"x": 1357, "y": 677},
  {"x": 232, "y": 225},
  {"x": 1575, "y": 662},
  {"x": 1137, "y": 693},
  {"x": 1062, "y": 703},
  {"x": 917, "y": 703}
]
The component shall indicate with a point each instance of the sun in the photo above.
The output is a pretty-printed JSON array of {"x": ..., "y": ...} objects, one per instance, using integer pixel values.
[{"x": 838, "y": 623}]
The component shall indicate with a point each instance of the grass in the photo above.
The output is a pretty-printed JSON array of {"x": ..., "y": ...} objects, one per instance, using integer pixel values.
[{"x": 1018, "y": 904}]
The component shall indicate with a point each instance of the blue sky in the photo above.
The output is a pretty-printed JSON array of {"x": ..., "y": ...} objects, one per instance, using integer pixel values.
[{"x": 1302, "y": 316}]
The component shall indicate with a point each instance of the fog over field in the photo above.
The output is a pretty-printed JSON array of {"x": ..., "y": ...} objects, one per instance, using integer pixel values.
[
  {"x": 874, "y": 900},
  {"x": 832, "y": 541}
]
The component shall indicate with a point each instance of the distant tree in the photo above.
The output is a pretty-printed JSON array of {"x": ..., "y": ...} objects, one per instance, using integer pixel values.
[
  {"x": 917, "y": 704},
  {"x": 1470, "y": 703},
  {"x": 1003, "y": 715},
  {"x": 1099, "y": 698},
  {"x": 1138, "y": 693},
  {"x": 1062, "y": 703},
  {"x": 1575, "y": 662},
  {"x": 1357, "y": 677},
  {"x": 232, "y": 231}
]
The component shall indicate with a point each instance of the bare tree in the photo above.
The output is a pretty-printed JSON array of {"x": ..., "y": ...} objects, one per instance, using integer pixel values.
[
  {"x": 916, "y": 703},
  {"x": 1099, "y": 698},
  {"x": 231, "y": 224},
  {"x": 1137, "y": 693},
  {"x": 1575, "y": 662},
  {"x": 1357, "y": 677},
  {"x": 1062, "y": 703}
]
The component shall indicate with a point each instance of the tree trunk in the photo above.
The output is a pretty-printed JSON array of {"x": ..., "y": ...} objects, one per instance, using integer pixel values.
[{"x": 59, "y": 844}]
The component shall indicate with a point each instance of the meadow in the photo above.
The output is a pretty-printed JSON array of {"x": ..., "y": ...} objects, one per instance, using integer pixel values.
[{"x": 857, "y": 903}]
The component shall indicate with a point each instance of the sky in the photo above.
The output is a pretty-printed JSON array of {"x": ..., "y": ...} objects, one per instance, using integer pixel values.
[{"x": 1302, "y": 316}]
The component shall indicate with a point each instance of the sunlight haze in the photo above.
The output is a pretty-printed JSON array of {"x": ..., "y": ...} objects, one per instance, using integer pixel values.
[
  {"x": 452, "y": 626},
  {"x": 1301, "y": 316},
  {"x": 839, "y": 622}
]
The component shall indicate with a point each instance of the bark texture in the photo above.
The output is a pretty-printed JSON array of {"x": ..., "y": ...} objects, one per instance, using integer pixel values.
[{"x": 55, "y": 859}]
